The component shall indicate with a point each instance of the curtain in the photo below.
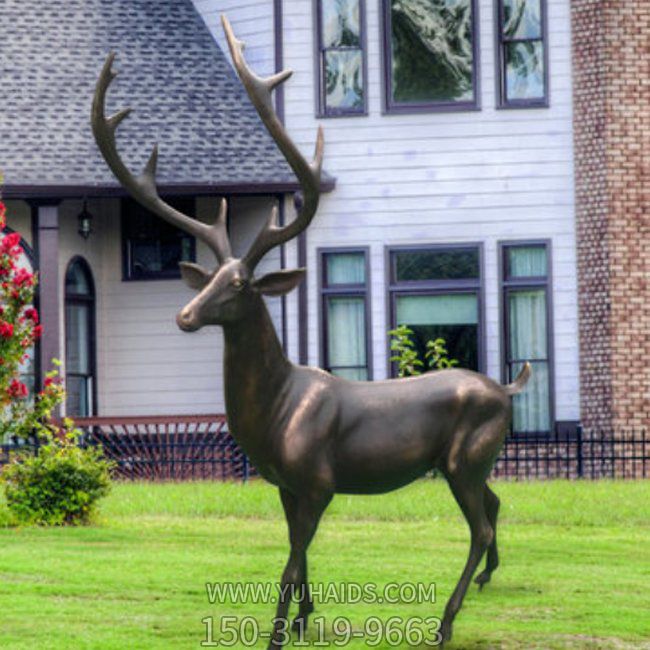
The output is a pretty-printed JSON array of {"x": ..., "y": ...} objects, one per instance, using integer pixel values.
[
  {"x": 346, "y": 337},
  {"x": 346, "y": 268},
  {"x": 444, "y": 309},
  {"x": 527, "y": 262},
  {"x": 528, "y": 340}
]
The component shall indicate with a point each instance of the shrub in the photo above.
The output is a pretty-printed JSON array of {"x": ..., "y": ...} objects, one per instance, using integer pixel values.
[
  {"x": 59, "y": 485},
  {"x": 409, "y": 363}
]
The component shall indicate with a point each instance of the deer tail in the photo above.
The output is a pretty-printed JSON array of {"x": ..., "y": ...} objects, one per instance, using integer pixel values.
[{"x": 522, "y": 378}]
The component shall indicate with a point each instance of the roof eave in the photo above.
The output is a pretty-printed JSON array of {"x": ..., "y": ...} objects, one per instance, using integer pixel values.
[{"x": 75, "y": 191}]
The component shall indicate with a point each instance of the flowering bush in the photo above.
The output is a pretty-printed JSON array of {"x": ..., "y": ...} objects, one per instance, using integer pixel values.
[{"x": 61, "y": 482}]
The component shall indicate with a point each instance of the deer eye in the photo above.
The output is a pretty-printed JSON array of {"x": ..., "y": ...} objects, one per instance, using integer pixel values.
[{"x": 238, "y": 283}]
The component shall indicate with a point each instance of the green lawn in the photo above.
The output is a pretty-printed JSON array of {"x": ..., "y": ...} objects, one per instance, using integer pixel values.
[{"x": 575, "y": 569}]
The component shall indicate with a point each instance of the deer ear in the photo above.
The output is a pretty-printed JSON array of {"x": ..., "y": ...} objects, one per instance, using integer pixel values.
[
  {"x": 194, "y": 276},
  {"x": 279, "y": 282}
]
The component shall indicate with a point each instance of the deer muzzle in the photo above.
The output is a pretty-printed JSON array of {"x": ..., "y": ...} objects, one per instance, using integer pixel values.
[{"x": 186, "y": 319}]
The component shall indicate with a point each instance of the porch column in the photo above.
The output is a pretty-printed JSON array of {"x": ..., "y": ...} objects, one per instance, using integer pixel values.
[{"x": 45, "y": 223}]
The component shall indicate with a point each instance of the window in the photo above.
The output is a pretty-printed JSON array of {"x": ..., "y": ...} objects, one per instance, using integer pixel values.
[
  {"x": 525, "y": 272},
  {"x": 79, "y": 339},
  {"x": 341, "y": 57},
  {"x": 523, "y": 60},
  {"x": 345, "y": 313},
  {"x": 153, "y": 248},
  {"x": 430, "y": 54},
  {"x": 436, "y": 292}
]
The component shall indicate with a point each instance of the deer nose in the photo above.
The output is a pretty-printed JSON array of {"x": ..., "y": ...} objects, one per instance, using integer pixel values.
[{"x": 185, "y": 320}]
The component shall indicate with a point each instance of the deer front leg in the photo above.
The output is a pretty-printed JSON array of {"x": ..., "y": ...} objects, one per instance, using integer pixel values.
[{"x": 303, "y": 514}]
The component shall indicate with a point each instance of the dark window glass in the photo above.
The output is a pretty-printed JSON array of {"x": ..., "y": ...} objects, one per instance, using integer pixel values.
[
  {"x": 152, "y": 247},
  {"x": 432, "y": 53},
  {"x": 446, "y": 264},
  {"x": 526, "y": 288},
  {"x": 523, "y": 52},
  {"x": 79, "y": 340},
  {"x": 345, "y": 314},
  {"x": 341, "y": 57}
]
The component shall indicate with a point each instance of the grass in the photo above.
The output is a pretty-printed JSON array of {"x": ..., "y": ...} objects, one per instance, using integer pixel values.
[{"x": 575, "y": 565}]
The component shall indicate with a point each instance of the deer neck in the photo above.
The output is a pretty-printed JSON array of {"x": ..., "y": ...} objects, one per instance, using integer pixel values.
[{"x": 255, "y": 371}]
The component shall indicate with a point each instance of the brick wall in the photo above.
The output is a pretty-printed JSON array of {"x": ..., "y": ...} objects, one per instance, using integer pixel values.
[{"x": 612, "y": 154}]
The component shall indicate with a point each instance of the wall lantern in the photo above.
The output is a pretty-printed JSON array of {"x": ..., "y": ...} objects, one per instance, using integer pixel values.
[{"x": 85, "y": 222}]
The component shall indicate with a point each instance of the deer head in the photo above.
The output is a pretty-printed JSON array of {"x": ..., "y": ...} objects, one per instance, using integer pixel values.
[{"x": 230, "y": 291}]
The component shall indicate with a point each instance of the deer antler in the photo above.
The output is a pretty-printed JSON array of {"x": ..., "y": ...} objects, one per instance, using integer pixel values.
[
  {"x": 309, "y": 174},
  {"x": 143, "y": 187}
]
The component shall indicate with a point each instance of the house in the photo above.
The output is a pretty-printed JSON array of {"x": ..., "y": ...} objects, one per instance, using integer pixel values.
[{"x": 489, "y": 190}]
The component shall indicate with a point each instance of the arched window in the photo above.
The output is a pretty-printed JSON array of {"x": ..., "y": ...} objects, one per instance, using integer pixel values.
[
  {"x": 28, "y": 367},
  {"x": 80, "y": 339}
]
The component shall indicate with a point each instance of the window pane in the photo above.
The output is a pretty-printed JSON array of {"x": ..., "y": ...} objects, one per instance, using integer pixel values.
[
  {"x": 78, "y": 396},
  {"x": 343, "y": 79},
  {"x": 525, "y": 70},
  {"x": 526, "y": 262},
  {"x": 437, "y": 265},
  {"x": 77, "y": 339},
  {"x": 346, "y": 335},
  {"x": 353, "y": 374},
  {"x": 341, "y": 23},
  {"x": 522, "y": 18},
  {"x": 527, "y": 326},
  {"x": 531, "y": 411},
  {"x": 453, "y": 317},
  {"x": 432, "y": 55},
  {"x": 76, "y": 281},
  {"x": 345, "y": 268}
]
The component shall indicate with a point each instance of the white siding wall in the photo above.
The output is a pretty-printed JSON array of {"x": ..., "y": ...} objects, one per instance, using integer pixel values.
[{"x": 486, "y": 176}]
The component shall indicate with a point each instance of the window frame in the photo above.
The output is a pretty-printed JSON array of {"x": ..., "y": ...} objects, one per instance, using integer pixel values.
[
  {"x": 389, "y": 107},
  {"x": 128, "y": 204},
  {"x": 322, "y": 110},
  {"x": 89, "y": 300},
  {"x": 343, "y": 290},
  {"x": 505, "y": 286},
  {"x": 396, "y": 289},
  {"x": 500, "y": 45}
]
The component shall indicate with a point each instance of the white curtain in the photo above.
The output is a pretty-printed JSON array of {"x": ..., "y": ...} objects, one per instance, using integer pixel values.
[
  {"x": 346, "y": 268},
  {"x": 444, "y": 309},
  {"x": 527, "y": 262},
  {"x": 346, "y": 337},
  {"x": 529, "y": 340}
]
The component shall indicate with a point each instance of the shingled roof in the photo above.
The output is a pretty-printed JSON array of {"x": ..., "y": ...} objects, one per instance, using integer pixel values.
[{"x": 172, "y": 73}]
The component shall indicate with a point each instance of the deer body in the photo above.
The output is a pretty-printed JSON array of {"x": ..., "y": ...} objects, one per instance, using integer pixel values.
[{"x": 306, "y": 431}]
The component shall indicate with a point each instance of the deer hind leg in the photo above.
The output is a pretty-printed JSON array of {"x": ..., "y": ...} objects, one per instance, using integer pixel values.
[
  {"x": 469, "y": 493},
  {"x": 303, "y": 514},
  {"x": 492, "y": 504}
]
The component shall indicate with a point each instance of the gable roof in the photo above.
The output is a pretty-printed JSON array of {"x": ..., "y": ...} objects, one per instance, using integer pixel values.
[{"x": 183, "y": 91}]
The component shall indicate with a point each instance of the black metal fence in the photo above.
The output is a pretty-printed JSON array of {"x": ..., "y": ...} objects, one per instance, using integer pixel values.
[{"x": 200, "y": 448}]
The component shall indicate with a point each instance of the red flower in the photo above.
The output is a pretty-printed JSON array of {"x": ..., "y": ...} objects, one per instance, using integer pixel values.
[
  {"x": 49, "y": 381},
  {"x": 3, "y": 215},
  {"x": 6, "y": 330},
  {"x": 32, "y": 315},
  {"x": 17, "y": 389},
  {"x": 38, "y": 331},
  {"x": 23, "y": 277},
  {"x": 10, "y": 242}
]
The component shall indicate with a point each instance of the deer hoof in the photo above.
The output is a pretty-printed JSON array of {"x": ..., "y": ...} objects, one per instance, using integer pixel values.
[{"x": 482, "y": 579}]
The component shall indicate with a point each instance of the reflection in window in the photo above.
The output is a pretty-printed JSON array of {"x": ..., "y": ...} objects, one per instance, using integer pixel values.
[
  {"x": 436, "y": 292},
  {"x": 431, "y": 52},
  {"x": 345, "y": 314},
  {"x": 526, "y": 287},
  {"x": 79, "y": 339},
  {"x": 152, "y": 247},
  {"x": 522, "y": 52},
  {"x": 341, "y": 57}
]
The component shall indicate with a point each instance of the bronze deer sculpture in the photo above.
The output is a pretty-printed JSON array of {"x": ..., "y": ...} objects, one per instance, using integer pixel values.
[{"x": 308, "y": 432}]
